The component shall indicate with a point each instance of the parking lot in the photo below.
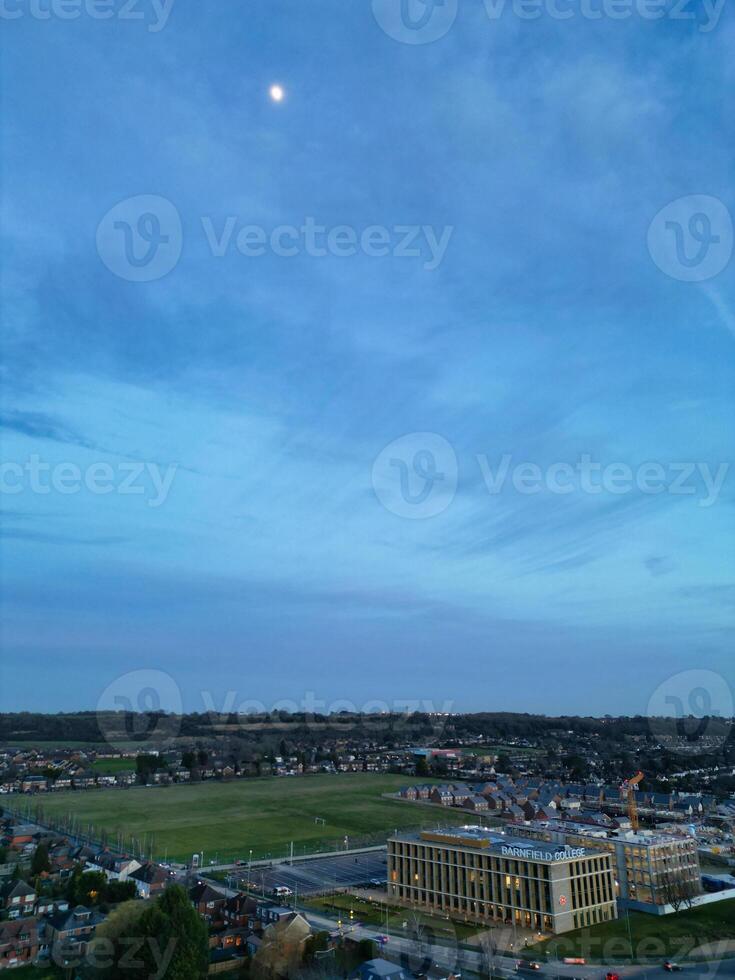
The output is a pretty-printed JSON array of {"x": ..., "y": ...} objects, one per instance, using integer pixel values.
[{"x": 315, "y": 874}]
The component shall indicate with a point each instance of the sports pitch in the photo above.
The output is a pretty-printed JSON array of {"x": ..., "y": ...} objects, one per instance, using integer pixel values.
[{"x": 226, "y": 819}]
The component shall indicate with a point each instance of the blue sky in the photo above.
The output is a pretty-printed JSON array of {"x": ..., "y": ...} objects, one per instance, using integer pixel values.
[{"x": 268, "y": 386}]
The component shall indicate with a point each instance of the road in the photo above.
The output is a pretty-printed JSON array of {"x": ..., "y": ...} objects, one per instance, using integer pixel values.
[{"x": 418, "y": 957}]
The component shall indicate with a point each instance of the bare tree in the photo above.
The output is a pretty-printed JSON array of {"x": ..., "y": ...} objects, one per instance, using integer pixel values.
[{"x": 677, "y": 891}]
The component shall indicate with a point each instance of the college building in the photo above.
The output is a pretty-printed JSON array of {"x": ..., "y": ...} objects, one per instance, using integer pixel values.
[
  {"x": 486, "y": 876},
  {"x": 654, "y": 872}
]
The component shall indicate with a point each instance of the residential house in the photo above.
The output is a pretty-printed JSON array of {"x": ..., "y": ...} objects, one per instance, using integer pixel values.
[
  {"x": 114, "y": 866},
  {"x": 478, "y": 804},
  {"x": 150, "y": 879},
  {"x": 126, "y": 778},
  {"x": 282, "y": 949},
  {"x": 208, "y": 901},
  {"x": 85, "y": 780},
  {"x": 18, "y": 942},
  {"x": 69, "y": 930},
  {"x": 49, "y": 906},
  {"x": 18, "y": 898},
  {"x": 380, "y": 969},
  {"x": 239, "y": 910},
  {"x": 459, "y": 795},
  {"x": 266, "y": 913},
  {"x": 33, "y": 784}
]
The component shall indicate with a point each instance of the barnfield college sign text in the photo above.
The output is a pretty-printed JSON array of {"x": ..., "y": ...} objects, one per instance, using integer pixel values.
[{"x": 525, "y": 852}]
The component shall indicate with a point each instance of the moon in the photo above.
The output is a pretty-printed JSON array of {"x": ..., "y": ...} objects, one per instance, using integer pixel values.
[{"x": 276, "y": 93}]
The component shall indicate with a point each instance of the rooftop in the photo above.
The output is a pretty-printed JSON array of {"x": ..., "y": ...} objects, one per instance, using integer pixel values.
[
  {"x": 497, "y": 842},
  {"x": 645, "y": 838}
]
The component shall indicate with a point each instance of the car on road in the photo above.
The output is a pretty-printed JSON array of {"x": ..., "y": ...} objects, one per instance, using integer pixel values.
[
  {"x": 612, "y": 976},
  {"x": 381, "y": 938},
  {"x": 671, "y": 967},
  {"x": 528, "y": 965}
]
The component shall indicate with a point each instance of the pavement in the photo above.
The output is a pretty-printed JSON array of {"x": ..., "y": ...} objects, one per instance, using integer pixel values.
[{"x": 308, "y": 876}]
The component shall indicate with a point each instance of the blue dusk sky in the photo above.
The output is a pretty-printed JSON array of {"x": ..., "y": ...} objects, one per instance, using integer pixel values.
[{"x": 410, "y": 381}]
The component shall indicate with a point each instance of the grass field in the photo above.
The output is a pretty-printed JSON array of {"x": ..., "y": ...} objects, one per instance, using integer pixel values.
[
  {"x": 382, "y": 916},
  {"x": 112, "y": 766},
  {"x": 226, "y": 819},
  {"x": 654, "y": 937}
]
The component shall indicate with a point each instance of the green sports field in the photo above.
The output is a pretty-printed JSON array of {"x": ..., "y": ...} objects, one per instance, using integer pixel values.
[
  {"x": 673, "y": 936},
  {"x": 226, "y": 819}
]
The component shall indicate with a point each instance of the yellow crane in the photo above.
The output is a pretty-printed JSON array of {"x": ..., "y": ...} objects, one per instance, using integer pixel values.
[{"x": 628, "y": 788}]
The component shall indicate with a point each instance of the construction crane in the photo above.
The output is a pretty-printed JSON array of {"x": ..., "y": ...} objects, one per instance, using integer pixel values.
[{"x": 628, "y": 788}]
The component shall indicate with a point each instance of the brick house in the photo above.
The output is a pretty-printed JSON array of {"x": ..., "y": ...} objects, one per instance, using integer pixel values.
[
  {"x": 239, "y": 910},
  {"x": 208, "y": 902},
  {"x": 18, "y": 899},
  {"x": 442, "y": 794},
  {"x": 18, "y": 942}
]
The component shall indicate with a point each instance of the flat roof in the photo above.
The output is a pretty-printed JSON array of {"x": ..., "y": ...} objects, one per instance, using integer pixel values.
[
  {"x": 498, "y": 843},
  {"x": 644, "y": 838}
]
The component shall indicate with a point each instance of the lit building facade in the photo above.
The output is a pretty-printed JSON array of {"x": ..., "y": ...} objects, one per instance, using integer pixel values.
[
  {"x": 653, "y": 872},
  {"x": 486, "y": 877}
]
